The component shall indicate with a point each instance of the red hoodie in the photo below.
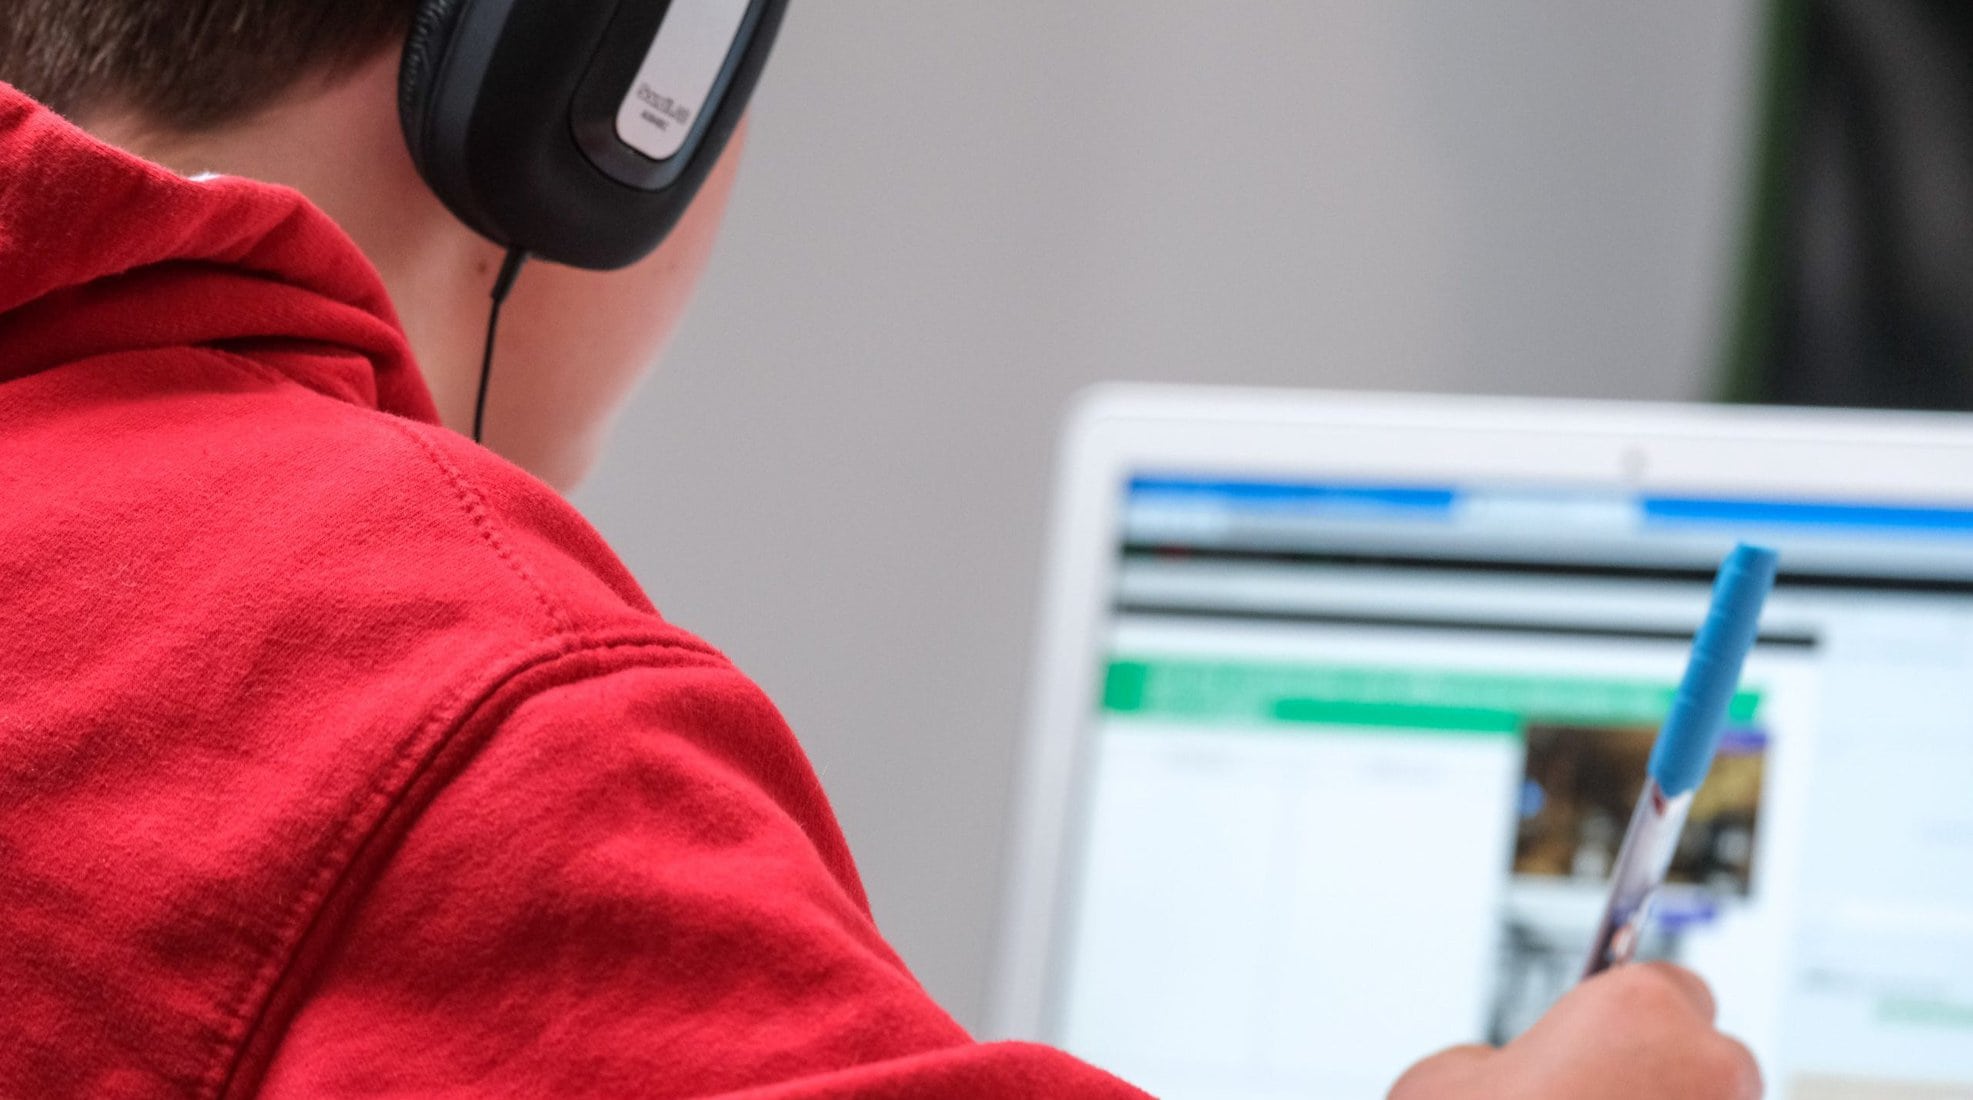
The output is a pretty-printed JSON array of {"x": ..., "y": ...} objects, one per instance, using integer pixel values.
[{"x": 340, "y": 758}]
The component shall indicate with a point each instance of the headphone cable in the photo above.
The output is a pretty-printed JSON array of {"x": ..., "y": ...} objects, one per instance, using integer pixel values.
[{"x": 510, "y": 270}]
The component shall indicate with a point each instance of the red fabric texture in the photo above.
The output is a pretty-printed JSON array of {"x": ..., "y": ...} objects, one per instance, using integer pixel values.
[{"x": 340, "y": 758}]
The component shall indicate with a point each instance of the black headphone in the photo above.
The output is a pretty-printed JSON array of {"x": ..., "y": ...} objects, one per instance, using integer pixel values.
[{"x": 577, "y": 130}]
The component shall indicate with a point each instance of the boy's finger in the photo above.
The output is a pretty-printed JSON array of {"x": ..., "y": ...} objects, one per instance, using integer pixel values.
[
  {"x": 1443, "y": 1074},
  {"x": 1688, "y": 985}
]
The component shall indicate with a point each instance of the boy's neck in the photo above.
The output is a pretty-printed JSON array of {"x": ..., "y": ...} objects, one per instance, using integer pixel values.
[{"x": 337, "y": 142}]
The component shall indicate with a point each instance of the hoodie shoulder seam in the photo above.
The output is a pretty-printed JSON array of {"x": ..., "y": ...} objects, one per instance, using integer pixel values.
[{"x": 473, "y": 503}]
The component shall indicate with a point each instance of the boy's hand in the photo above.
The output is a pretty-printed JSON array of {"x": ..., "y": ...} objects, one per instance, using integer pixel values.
[{"x": 1635, "y": 1033}]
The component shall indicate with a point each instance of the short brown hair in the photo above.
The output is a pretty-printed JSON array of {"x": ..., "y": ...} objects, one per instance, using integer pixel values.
[{"x": 185, "y": 65}]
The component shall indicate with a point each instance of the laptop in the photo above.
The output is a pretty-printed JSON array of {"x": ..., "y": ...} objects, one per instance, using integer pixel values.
[{"x": 1343, "y": 701}]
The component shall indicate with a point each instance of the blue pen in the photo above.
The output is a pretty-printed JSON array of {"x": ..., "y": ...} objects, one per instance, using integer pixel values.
[{"x": 1684, "y": 751}]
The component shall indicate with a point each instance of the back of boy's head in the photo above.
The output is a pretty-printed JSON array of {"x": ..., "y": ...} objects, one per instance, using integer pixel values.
[
  {"x": 185, "y": 66},
  {"x": 303, "y": 93}
]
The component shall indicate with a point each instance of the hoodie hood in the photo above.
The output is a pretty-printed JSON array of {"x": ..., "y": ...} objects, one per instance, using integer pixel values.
[{"x": 102, "y": 252}]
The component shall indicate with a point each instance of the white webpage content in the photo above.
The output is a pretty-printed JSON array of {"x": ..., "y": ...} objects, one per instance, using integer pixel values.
[{"x": 1344, "y": 809}]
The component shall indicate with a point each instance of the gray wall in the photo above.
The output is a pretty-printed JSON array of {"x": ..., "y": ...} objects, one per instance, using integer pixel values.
[{"x": 955, "y": 215}]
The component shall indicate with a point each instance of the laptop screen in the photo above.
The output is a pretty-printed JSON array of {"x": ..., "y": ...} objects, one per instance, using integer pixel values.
[{"x": 1363, "y": 754}]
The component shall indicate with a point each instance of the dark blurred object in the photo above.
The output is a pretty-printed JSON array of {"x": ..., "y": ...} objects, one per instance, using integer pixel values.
[{"x": 1858, "y": 286}]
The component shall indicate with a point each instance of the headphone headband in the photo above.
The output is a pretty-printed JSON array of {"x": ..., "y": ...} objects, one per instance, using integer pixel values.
[{"x": 578, "y": 130}]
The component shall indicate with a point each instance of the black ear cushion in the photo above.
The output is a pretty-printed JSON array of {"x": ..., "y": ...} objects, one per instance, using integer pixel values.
[{"x": 424, "y": 50}]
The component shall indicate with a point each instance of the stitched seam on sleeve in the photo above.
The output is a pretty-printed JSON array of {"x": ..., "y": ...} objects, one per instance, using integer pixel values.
[{"x": 375, "y": 809}]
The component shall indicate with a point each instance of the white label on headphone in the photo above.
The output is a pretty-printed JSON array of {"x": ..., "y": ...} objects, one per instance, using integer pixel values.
[{"x": 672, "y": 87}]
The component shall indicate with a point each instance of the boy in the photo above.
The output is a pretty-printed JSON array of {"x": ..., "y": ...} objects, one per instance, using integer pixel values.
[{"x": 338, "y": 757}]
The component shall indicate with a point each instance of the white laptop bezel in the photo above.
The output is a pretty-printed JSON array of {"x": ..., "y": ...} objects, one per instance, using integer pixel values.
[{"x": 1119, "y": 431}]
